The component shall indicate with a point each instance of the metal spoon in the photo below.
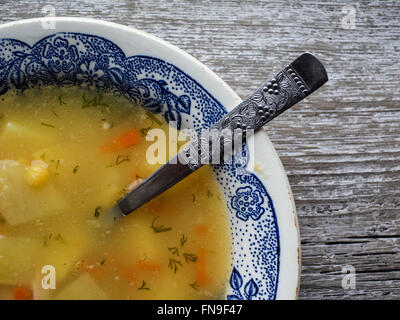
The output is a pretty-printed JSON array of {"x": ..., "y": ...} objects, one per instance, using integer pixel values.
[{"x": 292, "y": 84}]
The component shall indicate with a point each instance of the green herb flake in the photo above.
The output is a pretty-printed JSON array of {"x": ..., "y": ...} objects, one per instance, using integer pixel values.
[
  {"x": 144, "y": 131},
  {"x": 96, "y": 101},
  {"x": 143, "y": 287},
  {"x": 60, "y": 100},
  {"x": 194, "y": 285},
  {"x": 174, "y": 251},
  {"x": 75, "y": 169},
  {"x": 189, "y": 257},
  {"x": 54, "y": 112},
  {"x": 183, "y": 240},
  {"x": 209, "y": 194},
  {"x": 160, "y": 228},
  {"x": 46, "y": 239},
  {"x": 102, "y": 262},
  {"x": 174, "y": 264},
  {"x": 47, "y": 125},
  {"x": 56, "y": 163},
  {"x": 97, "y": 212},
  {"x": 58, "y": 237},
  {"x": 120, "y": 159}
]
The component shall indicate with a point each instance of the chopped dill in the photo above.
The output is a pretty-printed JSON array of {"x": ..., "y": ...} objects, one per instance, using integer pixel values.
[
  {"x": 47, "y": 238},
  {"x": 75, "y": 169},
  {"x": 60, "y": 100},
  {"x": 120, "y": 159},
  {"x": 97, "y": 212},
  {"x": 47, "y": 125},
  {"x": 54, "y": 112},
  {"x": 144, "y": 131},
  {"x": 183, "y": 240},
  {"x": 158, "y": 229},
  {"x": 174, "y": 251},
  {"x": 143, "y": 287},
  {"x": 56, "y": 163},
  {"x": 96, "y": 101},
  {"x": 45, "y": 241},
  {"x": 59, "y": 237},
  {"x": 194, "y": 285},
  {"x": 189, "y": 257},
  {"x": 173, "y": 264}
]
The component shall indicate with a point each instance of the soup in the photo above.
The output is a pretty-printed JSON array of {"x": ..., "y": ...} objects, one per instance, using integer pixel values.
[{"x": 66, "y": 156}]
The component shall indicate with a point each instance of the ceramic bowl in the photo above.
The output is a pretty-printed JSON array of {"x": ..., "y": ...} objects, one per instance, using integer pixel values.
[{"x": 265, "y": 260}]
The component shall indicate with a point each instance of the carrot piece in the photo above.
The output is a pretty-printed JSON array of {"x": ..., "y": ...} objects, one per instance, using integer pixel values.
[
  {"x": 95, "y": 271},
  {"x": 122, "y": 269},
  {"x": 201, "y": 271},
  {"x": 146, "y": 265},
  {"x": 21, "y": 293},
  {"x": 202, "y": 230},
  {"x": 127, "y": 139},
  {"x": 161, "y": 207}
]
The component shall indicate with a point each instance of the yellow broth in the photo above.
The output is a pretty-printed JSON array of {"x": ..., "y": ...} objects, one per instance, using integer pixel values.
[{"x": 57, "y": 181}]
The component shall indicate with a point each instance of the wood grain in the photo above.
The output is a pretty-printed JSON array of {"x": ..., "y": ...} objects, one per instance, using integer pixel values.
[{"x": 340, "y": 148}]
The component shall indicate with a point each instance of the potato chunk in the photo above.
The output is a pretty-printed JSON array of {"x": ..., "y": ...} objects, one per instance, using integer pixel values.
[
  {"x": 18, "y": 136},
  {"x": 63, "y": 251},
  {"x": 142, "y": 238},
  {"x": 17, "y": 256},
  {"x": 82, "y": 288},
  {"x": 19, "y": 202}
]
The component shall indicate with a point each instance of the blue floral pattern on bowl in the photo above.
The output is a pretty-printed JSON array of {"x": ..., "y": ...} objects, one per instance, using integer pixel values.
[
  {"x": 250, "y": 289},
  {"x": 68, "y": 58},
  {"x": 247, "y": 203}
]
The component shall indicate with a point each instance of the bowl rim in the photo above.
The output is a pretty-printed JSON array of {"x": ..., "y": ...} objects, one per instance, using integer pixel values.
[{"x": 220, "y": 91}]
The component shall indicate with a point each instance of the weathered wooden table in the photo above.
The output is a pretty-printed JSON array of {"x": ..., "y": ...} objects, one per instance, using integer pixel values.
[{"x": 340, "y": 148}]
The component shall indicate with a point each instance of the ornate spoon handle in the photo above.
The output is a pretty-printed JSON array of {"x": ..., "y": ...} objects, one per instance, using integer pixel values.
[
  {"x": 292, "y": 84},
  {"x": 296, "y": 81}
]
